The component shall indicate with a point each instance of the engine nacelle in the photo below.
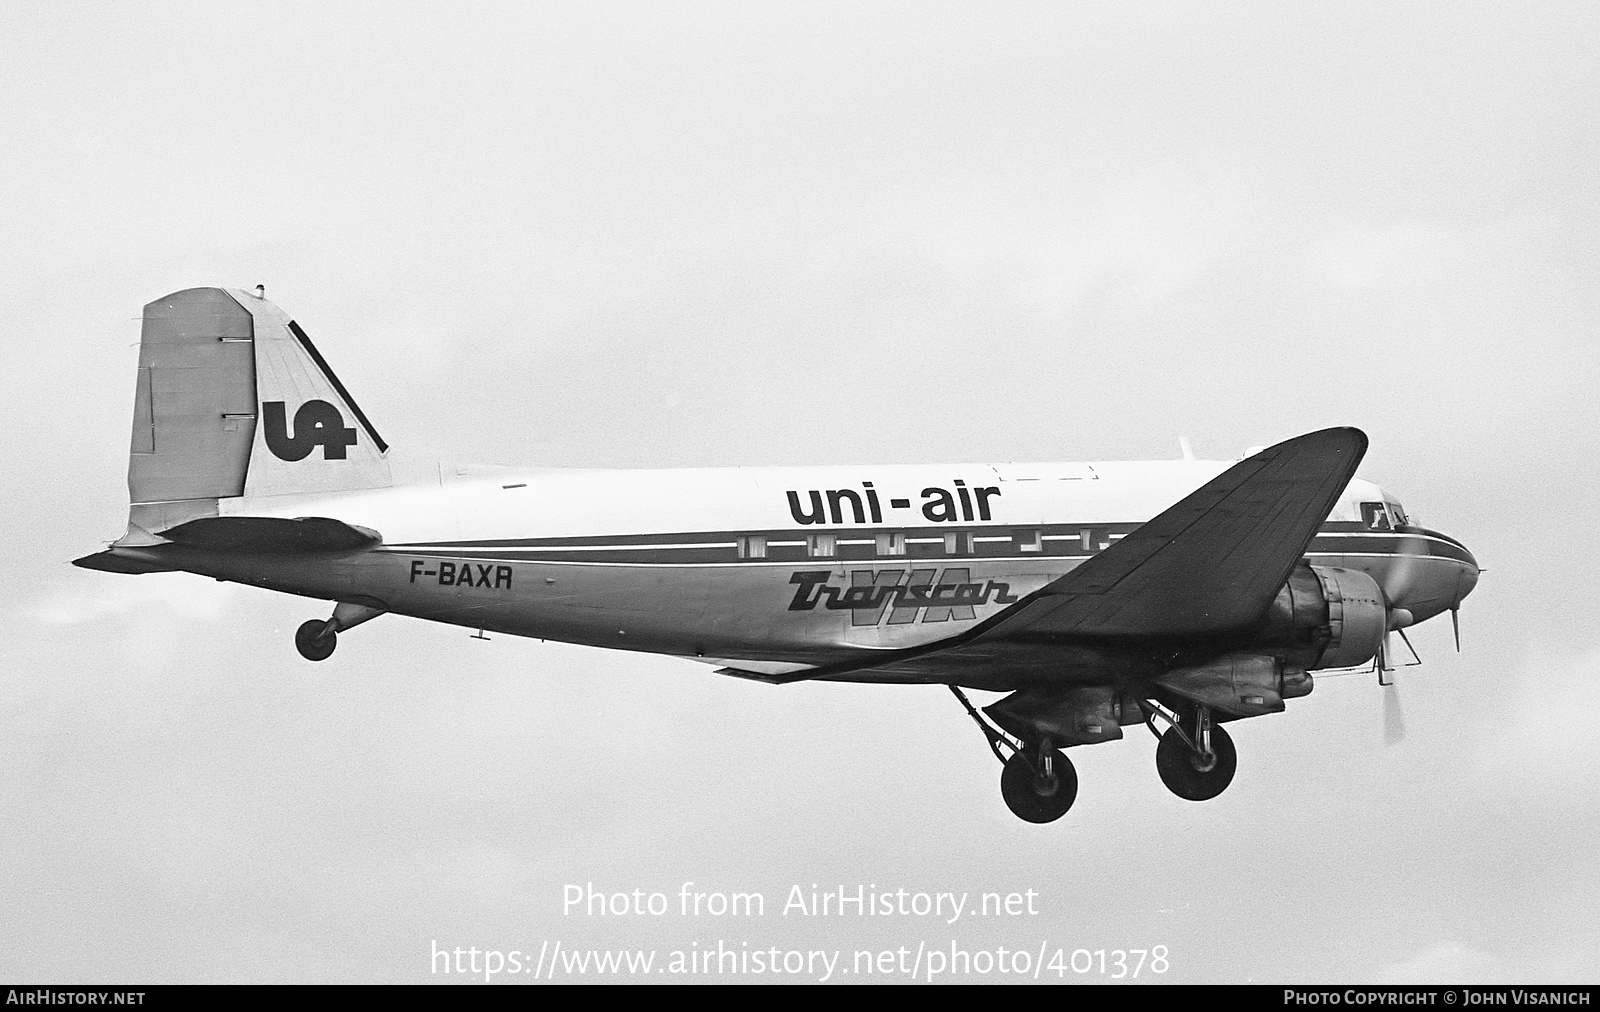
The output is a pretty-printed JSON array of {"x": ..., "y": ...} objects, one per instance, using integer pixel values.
[
  {"x": 1245, "y": 685},
  {"x": 1328, "y": 618},
  {"x": 1081, "y": 715}
]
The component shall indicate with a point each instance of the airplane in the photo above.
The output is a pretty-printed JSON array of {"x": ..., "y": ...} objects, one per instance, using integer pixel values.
[{"x": 1178, "y": 594}]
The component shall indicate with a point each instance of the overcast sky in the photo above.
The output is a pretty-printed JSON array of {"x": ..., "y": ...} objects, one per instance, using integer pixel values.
[{"x": 617, "y": 235}]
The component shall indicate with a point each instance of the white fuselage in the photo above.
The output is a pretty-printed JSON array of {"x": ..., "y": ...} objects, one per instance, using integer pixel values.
[{"x": 773, "y": 570}]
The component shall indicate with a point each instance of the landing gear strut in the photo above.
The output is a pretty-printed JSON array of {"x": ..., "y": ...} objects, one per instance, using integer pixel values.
[
  {"x": 316, "y": 639},
  {"x": 1196, "y": 758},
  {"x": 1038, "y": 783}
]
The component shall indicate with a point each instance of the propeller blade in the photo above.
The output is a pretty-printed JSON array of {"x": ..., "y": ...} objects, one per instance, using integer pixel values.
[
  {"x": 1394, "y": 722},
  {"x": 1403, "y": 571}
]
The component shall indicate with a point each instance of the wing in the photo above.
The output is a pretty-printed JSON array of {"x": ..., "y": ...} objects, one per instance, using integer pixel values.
[{"x": 1208, "y": 566}]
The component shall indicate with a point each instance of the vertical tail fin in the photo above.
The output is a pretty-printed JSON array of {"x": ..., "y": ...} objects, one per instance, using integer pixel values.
[
  {"x": 233, "y": 399},
  {"x": 311, "y": 436}
]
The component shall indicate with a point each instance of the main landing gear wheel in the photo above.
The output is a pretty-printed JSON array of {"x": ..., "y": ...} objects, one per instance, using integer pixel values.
[
  {"x": 315, "y": 640},
  {"x": 1190, "y": 775},
  {"x": 1039, "y": 792}
]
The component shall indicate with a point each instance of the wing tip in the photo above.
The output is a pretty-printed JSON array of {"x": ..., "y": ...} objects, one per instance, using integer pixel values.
[
  {"x": 1345, "y": 439},
  {"x": 1338, "y": 438},
  {"x": 1355, "y": 435}
]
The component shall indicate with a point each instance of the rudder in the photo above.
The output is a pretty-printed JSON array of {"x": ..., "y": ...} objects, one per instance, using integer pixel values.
[{"x": 233, "y": 400}]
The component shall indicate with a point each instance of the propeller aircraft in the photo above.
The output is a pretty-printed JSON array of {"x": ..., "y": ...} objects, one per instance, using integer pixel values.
[{"x": 1181, "y": 595}]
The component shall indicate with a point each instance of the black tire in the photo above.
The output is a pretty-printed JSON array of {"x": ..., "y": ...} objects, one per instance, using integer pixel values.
[
  {"x": 315, "y": 640},
  {"x": 1175, "y": 761},
  {"x": 1031, "y": 800}
]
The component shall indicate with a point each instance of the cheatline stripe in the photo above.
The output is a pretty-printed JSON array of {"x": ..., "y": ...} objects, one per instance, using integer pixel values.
[
  {"x": 724, "y": 538},
  {"x": 688, "y": 545},
  {"x": 1391, "y": 534},
  {"x": 822, "y": 562},
  {"x": 534, "y": 555},
  {"x": 1346, "y": 529},
  {"x": 468, "y": 547},
  {"x": 1384, "y": 555},
  {"x": 1324, "y": 543},
  {"x": 1438, "y": 550},
  {"x": 985, "y": 531},
  {"x": 492, "y": 555}
]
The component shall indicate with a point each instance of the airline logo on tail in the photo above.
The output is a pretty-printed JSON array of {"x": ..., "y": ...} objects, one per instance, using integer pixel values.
[{"x": 316, "y": 423}]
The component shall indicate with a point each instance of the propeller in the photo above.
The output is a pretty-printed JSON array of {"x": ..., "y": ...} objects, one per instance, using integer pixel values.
[
  {"x": 1401, "y": 574},
  {"x": 1394, "y": 722},
  {"x": 1397, "y": 584},
  {"x": 1385, "y": 652}
]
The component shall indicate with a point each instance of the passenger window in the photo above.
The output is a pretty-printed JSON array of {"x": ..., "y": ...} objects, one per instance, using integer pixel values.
[
  {"x": 1374, "y": 516},
  {"x": 958, "y": 544},
  {"x": 891, "y": 544},
  {"x": 753, "y": 546},
  {"x": 820, "y": 546}
]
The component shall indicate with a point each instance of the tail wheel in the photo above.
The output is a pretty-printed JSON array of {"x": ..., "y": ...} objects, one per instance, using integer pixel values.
[
  {"x": 315, "y": 640},
  {"x": 1191, "y": 776},
  {"x": 1039, "y": 791}
]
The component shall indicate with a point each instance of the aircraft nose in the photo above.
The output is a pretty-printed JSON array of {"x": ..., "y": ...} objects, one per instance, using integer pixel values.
[
  {"x": 1462, "y": 575},
  {"x": 1434, "y": 574},
  {"x": 1468, "y": 577}
]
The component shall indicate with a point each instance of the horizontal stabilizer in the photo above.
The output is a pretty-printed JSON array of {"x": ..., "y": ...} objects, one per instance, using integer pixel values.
[
  {"x": 111, "y": 562},
  {"x": 272, "y": 535}
]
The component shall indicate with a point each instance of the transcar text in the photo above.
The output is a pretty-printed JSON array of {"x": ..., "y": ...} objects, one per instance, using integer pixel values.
[{"x": 900, "y": 594}]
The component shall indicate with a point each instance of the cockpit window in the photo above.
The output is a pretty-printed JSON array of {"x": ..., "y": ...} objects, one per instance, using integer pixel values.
[
  {"x": 1398, "y": 515},
  {"x": 1375, "y": 516}
]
